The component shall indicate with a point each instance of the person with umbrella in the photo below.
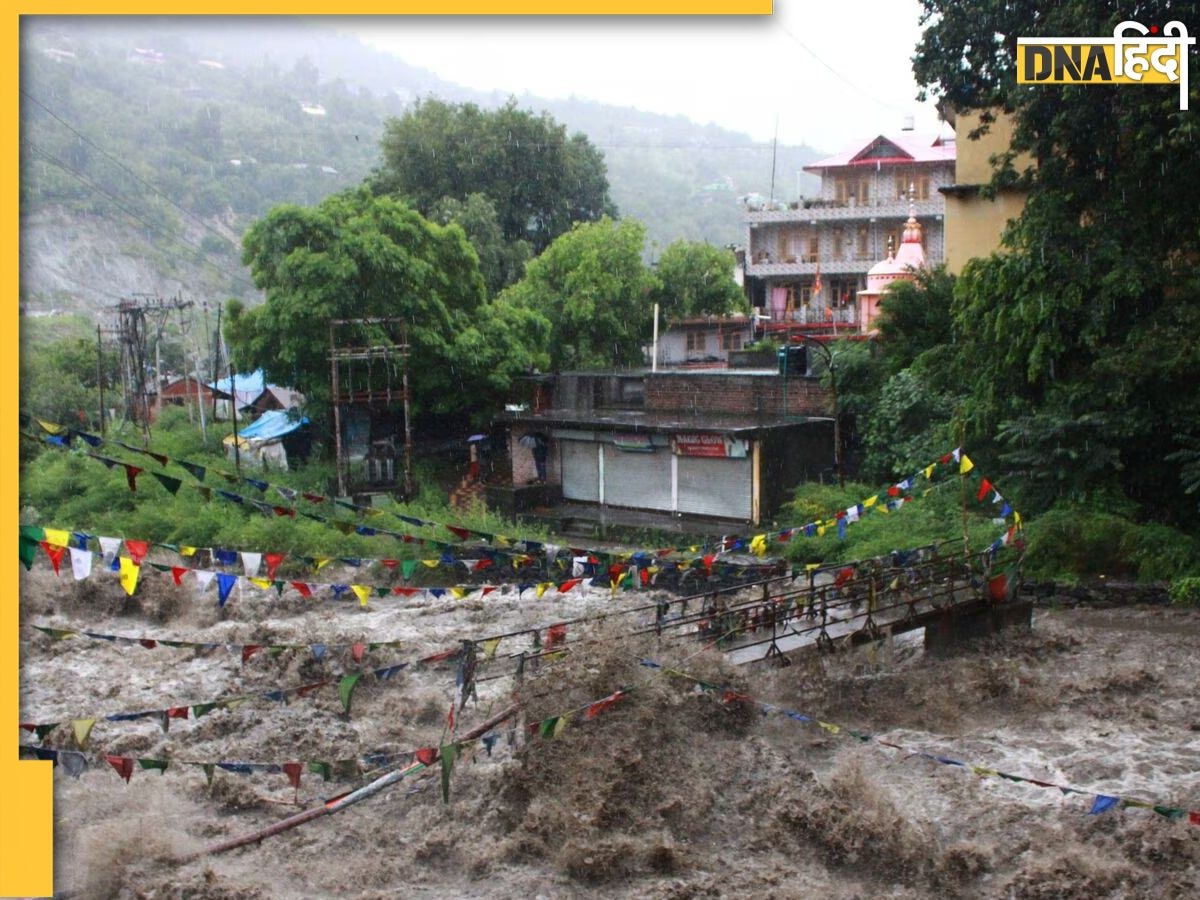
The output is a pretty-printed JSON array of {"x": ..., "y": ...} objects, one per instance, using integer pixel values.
[
  {"x": 480, "y": 465},
  {"x": 540, "y": 445}
]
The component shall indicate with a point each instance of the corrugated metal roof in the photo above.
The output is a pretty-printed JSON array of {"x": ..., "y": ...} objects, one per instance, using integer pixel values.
[{"x": 914, "y": 146}]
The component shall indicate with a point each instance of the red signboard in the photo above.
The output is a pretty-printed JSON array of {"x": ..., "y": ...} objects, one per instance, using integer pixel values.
[{"x": 702, "y": 444}]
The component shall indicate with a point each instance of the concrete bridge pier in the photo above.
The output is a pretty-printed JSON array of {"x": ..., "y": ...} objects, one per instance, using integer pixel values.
[{"x": 961, "y": 624}]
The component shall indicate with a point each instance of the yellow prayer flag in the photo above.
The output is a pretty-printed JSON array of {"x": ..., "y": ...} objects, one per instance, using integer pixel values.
[
  {"x": 983, "y": 772},
  {"x": 234, "y": 703},
  {"x": 129, "y": 575},
  {"x": 871, "y": 501},
  {"x": 458, "y": 592},
  {"x": 430, "y": 563},
  {"x": 489, "y": 648},
  {"x": 57, "y": 538},
  {"x": 758, "y": 545},
  {"x": 321, "y": 562},
  {"x": 362, "y": 592},
  {"x": 1016, "y": 517},
  {"x": 808, "y": 567},
  {"x": 502, "y": 541},
  {"x": 83, "y": 729},
  {"x": 187, "y": 551},
  {"x": 264, "y": 583},
  {"x": 832, "y": 729},
  {"x": 561, "y": 724},
  {"x": 542, "y": 588},
  {"x": 52, "y": 428},
  {"x": 929, "y": 471},
  {"x": 820, "y": 531},
  {"x": 966, "y": 465}
]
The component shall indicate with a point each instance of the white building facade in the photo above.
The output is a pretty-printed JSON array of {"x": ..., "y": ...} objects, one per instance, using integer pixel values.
[{"x": 807, "y": 261}]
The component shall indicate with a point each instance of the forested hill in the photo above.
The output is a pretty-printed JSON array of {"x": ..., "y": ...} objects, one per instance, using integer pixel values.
[{"x": 149, "y": 145}]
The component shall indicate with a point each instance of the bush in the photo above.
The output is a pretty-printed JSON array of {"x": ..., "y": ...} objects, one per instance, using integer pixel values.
[
  {"x": 1071, "y": 542},
  {"x": 1185, "y": 591}
]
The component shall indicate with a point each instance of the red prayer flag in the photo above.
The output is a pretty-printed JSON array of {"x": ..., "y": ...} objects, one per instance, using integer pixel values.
[
  {"x": 567, "y": 585},
  {"x": 357, "y": 651},
  {"x": 460, "y": 533},
  {"x": 303, "y": 588},
  {"x": 177, "y": 712},
  {"x": 405, "y": 591},
  {"x": 273, "y": 561},
  {"x": 427, "y": 755},
  {"x": 486, "y": 591},
  {"x": 131, "y": 474},
  {"x": 123, "y": 765},
  {"x": 177, "y": 572},
  {"x": 983, "y": 490},
  {"x": 284, "y": 511},
  {"x": 137, "y": 550},
  {"x": 389, "y": 563},
  {"x": 313, "y": 498},
  {"x": 148, "y": 643},
  {"x": 293, "y": 770},
  {"x": 1194, "y": 818},
  {"x": 555, "y": 635},
  {"x": 483, "y": 563},
  {"x": 55, "y": 554},
  {"x": 248, "y": 650},
  {"x": 600, "y": 705}
]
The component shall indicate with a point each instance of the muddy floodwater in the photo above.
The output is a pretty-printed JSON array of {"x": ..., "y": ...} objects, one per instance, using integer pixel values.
[{"x": 681, "y": 785}]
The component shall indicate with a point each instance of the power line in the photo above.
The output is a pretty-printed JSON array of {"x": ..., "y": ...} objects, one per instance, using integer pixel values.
[
  {"x": 70, "y": 170},
  {"x": 127, "y": 170},
  {"x": 835, "y": 72}
]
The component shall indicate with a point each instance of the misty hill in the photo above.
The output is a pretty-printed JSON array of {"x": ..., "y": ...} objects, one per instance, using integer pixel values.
[{"x": 149, "y": 145}]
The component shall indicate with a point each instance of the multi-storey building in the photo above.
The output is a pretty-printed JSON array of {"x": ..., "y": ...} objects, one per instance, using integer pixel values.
[{"x": 807, "y": 260}]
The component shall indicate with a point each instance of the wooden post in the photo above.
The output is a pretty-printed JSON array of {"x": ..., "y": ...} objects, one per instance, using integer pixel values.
[{"x": 337, "y": 805}]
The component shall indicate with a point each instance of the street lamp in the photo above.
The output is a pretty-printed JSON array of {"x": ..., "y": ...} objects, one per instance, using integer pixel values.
[{"x": 827, "y": 354}]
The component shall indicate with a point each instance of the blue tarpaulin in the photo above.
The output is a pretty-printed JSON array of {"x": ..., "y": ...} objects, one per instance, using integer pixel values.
[{"x": 270, "y": 425}]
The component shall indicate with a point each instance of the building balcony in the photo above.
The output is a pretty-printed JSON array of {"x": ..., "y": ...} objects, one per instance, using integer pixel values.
[
  {"x": 832, "y": 211},
  {"x": 828, "y": 267}
]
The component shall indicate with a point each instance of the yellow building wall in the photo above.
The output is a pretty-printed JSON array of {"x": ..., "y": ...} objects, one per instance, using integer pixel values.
[{"x": 974, "y": 224}]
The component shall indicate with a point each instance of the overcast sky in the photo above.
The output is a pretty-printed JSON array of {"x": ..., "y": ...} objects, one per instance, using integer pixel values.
[{"x": 829, "y": 71}]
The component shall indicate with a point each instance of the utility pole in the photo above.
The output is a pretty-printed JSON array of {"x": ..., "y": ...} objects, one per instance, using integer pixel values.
[
  {"x": 350, "y": 394},
  {"x": 237, "y": 450},
  {"x": 827, "y": 354},
  {"x": 132, "y": 318},
  {"x": 100, "y": 375}
]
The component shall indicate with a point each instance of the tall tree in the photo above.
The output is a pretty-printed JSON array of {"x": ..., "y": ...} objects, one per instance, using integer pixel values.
[
  {"x": 1080, "y": 336},
  {"x": 353, "y": 256},
  {"x": 540, "y": 179},
  {"x": 697, "y": 280},
  {"x": 594, "y": 289}
]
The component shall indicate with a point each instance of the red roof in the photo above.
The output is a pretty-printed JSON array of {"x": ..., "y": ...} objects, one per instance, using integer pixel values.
[{"x": 907, "y": 147}]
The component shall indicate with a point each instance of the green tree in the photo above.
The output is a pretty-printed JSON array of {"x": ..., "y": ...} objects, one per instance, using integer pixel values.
[
  {"x": 593, "y": 288},
  {"x": 697, "y": 280},
  {"x": 501, "y": 262},
  {"x": 353, "y": 256},
  {"x": 540, "y": 179},
  {"x": 1080, "y": 335}
]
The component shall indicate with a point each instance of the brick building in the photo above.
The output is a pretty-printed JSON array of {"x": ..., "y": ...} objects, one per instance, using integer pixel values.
[{"x": 716, "y": 444}]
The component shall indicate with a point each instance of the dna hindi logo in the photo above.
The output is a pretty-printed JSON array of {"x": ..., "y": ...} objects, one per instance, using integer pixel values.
[{"x": 1134, "y": 54}]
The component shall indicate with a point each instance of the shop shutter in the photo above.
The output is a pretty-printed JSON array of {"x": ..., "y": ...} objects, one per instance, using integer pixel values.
[
  {"x": 580, "y": 471},
  {"x": 637, "y": 480},
  {"x": 716, "y": 486}
]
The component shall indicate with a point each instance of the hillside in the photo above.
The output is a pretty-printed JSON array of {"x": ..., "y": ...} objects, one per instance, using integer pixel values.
[{"x": 149, "y": 145}]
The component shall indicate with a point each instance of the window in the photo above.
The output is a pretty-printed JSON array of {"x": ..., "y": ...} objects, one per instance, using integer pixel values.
[
  {"x": 839, "y": 249},
  {"x": 814, "y": 249},
  {"x": 696, "y": 341},
  {"x": 731, "y": 340},
  {"x": 858, "y": 189},
  {"x": 862, "y": 246},
  {"x": 918, "y": 183}
]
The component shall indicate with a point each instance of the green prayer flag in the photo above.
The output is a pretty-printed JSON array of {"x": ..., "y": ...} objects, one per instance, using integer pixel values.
[
  {"x": 449, "y": 755},
  {"x": 35, "y": 533},
  {"x": 346, "y": 689},
  {"x": 208, "y": 772},
  {"x": 27, "y": 549},
  {"x": 1171, "y": 812},
  {"x": 323, "y": 769},
  {"x": 407, "y": 567},
  {"x": 546, "y": 728},
  {"x": 203, "y": 709},
  {"x": 160, "y": 764},
  {"x": 42, "y": 731}
]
